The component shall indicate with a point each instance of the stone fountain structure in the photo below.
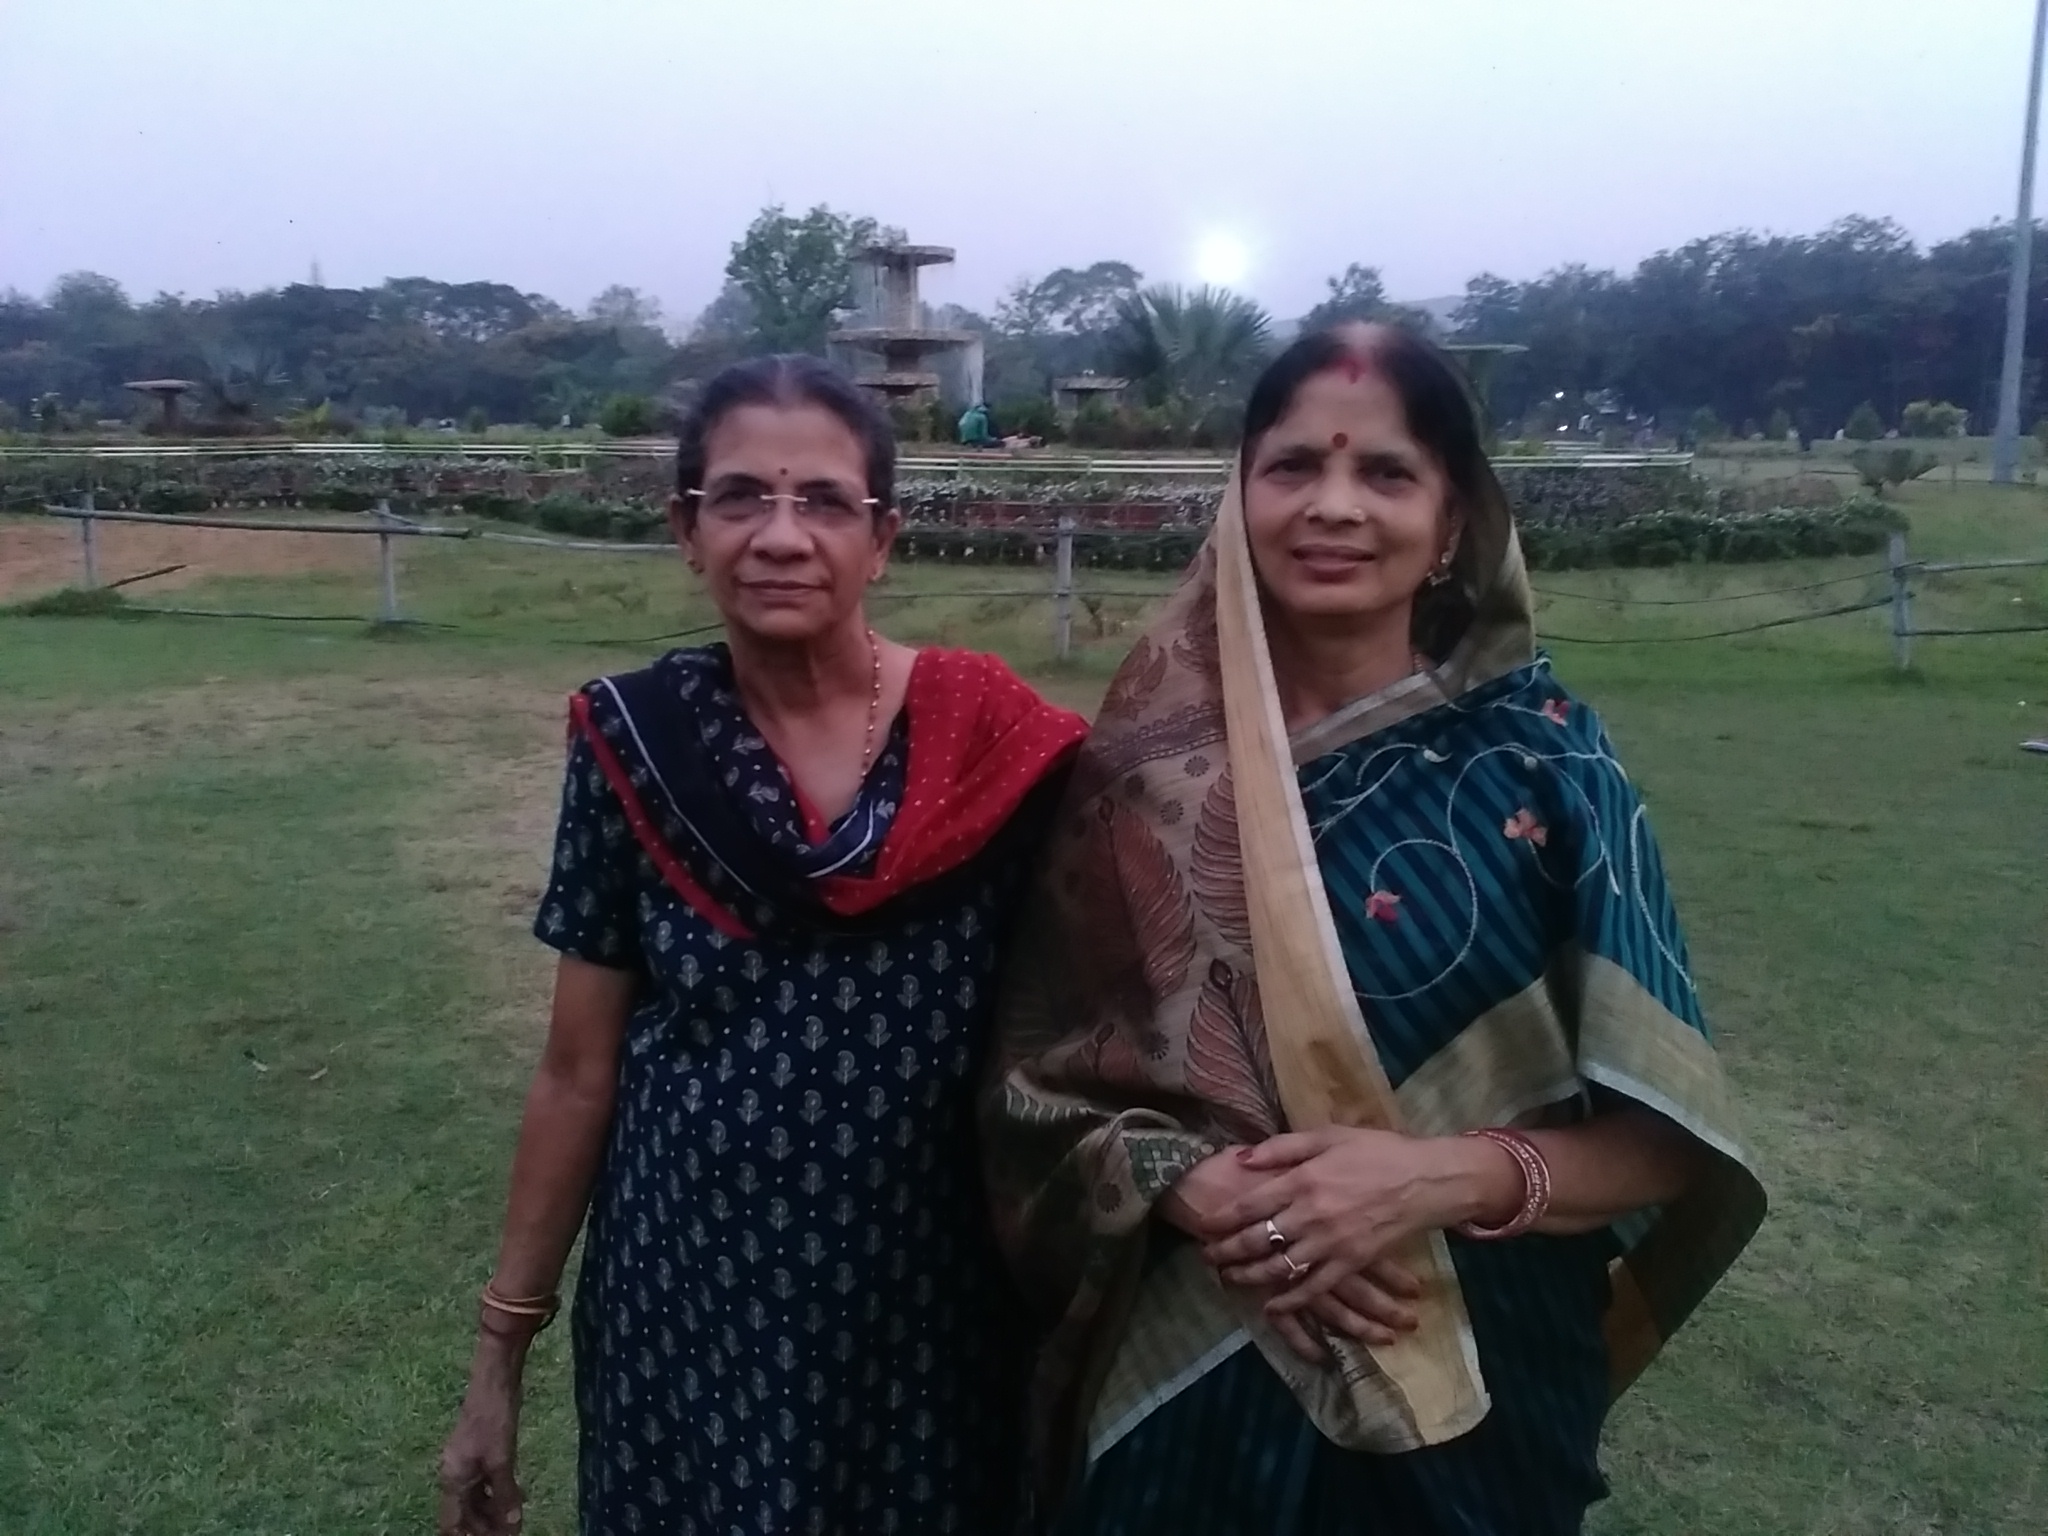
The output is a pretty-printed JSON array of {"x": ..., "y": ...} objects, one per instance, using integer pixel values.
[
  {"x": 891, "y": 349},
  {"x": 168, "y": 393}
]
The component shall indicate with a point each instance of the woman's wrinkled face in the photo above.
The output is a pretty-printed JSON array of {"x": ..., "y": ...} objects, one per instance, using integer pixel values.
[
  {"x": 1347, "y": 514},
  {"x": 783, "y": 531}
]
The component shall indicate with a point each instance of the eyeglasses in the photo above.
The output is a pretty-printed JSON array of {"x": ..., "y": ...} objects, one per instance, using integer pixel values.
[{"x": 822, "y": 508}]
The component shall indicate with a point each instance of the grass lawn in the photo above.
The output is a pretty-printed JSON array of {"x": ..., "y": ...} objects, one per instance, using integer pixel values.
[{"x": 267, "y": 1007}]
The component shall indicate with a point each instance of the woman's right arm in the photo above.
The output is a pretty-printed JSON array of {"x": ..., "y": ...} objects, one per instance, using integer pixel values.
[
  {"x": 561, "y": 1137},
  {"x": 561, "y": 1141}
]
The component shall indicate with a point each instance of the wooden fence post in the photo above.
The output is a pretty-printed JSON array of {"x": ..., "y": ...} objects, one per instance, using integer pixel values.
[
  {"x": 1902, "y": 603},
  {"x": 89, "y": 543},
  {"x": 1063, "y": 591},
  {"x": 387, "y": 568}
]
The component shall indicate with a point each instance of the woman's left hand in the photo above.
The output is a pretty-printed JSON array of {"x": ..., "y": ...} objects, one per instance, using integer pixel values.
[{"x": 1342, "y": 1200}]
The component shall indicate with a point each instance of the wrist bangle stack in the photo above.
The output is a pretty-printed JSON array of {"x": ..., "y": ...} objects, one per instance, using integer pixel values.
[
  {"x": 529, "y": 1308},
  {"x": 1535, "y": 1187}
]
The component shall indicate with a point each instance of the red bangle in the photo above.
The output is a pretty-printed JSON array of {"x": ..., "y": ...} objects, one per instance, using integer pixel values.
[{"x": 1535, "y": 1187}]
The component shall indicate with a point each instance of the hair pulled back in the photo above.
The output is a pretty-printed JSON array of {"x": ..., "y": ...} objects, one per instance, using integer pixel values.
[{"x": 788, "y": 379}]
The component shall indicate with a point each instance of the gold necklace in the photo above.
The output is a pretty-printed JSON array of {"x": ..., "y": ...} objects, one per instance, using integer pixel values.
[{"x": 867, "y": 755}]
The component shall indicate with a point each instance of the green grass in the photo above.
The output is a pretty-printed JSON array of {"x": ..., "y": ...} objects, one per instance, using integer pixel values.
[
  {"x": 254, "y": 1133},
  {"x": 236, "y": 1298}
]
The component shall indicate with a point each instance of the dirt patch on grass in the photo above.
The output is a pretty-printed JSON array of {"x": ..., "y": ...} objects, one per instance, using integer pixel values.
[{"x": 43, "y": 554}]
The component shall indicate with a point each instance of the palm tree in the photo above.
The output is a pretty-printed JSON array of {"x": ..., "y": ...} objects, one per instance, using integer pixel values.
[
  {"x": 239, "y": 382},
  {"x": 1202, "y": 346}
]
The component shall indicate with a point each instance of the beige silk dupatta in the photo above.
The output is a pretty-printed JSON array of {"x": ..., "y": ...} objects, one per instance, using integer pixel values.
[{"x": 1323, "y": 1063}]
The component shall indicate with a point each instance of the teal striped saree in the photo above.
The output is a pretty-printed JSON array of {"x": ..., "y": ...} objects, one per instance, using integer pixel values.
[{"x": 1438, "y": 909}]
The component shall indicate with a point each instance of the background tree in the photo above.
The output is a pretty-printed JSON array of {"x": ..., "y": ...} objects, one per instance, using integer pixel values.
[
  {"x": 1745, "y": 324},
  {"x": 1864, "y": 424},
  {"x": 240, "y": 382},
  {"x": 1812, "y": 324},
  {"x": 1931, "y": 418},
  {"x": 1880, "y": 467},
  {"x": 1200, "y": 347},
  {"x": 627, "y": 416},
  {"x": 412, "y": 347},
  {"x": 627, "y": 308},
  {"x": 722, "y": 334},
  {"x": 1049, "y": 327},
  {"x": 1358, "y": 293},
  {"x": 794, "y": 272},
  {"x": 1084, "y": 300}
]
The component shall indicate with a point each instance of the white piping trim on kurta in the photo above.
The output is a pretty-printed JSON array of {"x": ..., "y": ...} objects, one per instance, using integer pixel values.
[{"x": 674, "y": 805}]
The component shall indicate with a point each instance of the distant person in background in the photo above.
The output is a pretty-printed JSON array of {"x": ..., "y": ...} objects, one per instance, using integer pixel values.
[
  {"x": 1355, "y": 1126},
  {"x": 784, "y": 873},
  {"x": 975, "y": 430}
]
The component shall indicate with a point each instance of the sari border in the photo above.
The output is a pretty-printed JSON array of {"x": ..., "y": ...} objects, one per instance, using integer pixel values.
[
  {"x": 1669, "y": 1108},
  {"x": 1473, "y": 662},
  {"x": 1100, "y": 1445},
  {"x": 1488, "y": 1073},
  {"x": 1351, "y": 722},
  {"x": 1629, "y": 1040},
  {"x": 1325, "y": 1065}
]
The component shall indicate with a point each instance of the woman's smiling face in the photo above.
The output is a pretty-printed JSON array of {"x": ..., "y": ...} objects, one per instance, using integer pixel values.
[
  {"x": 1347, "y": 514},
  {"x": 782, "y": 528}
]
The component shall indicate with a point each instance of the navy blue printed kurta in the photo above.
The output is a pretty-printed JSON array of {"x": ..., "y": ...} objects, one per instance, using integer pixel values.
[{"x": 791, "y": 1316}]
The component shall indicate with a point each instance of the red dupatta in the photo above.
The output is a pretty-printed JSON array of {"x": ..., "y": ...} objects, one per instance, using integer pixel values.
[{"x": 980, "y": 741}]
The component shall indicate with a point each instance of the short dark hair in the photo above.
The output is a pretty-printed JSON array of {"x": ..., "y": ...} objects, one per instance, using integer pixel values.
[
  {"x": 790, "y": 378},
  {"x": 1441, "y": 416}
]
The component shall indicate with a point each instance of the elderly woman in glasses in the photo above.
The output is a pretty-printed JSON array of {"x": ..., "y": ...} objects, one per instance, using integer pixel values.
[{"x": 784, "y": 873}]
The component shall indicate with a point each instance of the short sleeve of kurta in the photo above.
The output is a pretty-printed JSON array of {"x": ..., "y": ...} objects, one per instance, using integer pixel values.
[{"x": 591, "y": 908}]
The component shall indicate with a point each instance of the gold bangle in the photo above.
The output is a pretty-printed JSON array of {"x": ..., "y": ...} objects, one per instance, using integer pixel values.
[{"x": 542, "y": 1307}]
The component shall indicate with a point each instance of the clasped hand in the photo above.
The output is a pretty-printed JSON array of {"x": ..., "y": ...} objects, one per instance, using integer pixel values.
[{"x": 1343, "y": 1200}]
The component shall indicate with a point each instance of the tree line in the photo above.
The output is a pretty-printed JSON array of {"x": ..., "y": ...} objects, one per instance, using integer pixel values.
[{"x": 1854, "y": 323}]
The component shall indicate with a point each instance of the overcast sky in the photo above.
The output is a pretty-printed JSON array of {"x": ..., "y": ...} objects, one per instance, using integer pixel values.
[{"x": 211, "y": 144}]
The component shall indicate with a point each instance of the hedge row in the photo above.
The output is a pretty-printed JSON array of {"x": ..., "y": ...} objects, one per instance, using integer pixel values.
[
  {"x": 494, "y": 488},
  {"x": 1859, "y": 527},
  {"x": 1656, "y": 538},
  {"x": 340, "y": 484},
  {"x": 1570, "y": 518}
]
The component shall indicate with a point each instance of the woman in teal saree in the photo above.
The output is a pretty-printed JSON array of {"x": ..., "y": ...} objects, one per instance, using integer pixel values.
[{"x": 1356, "y": 1128}]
